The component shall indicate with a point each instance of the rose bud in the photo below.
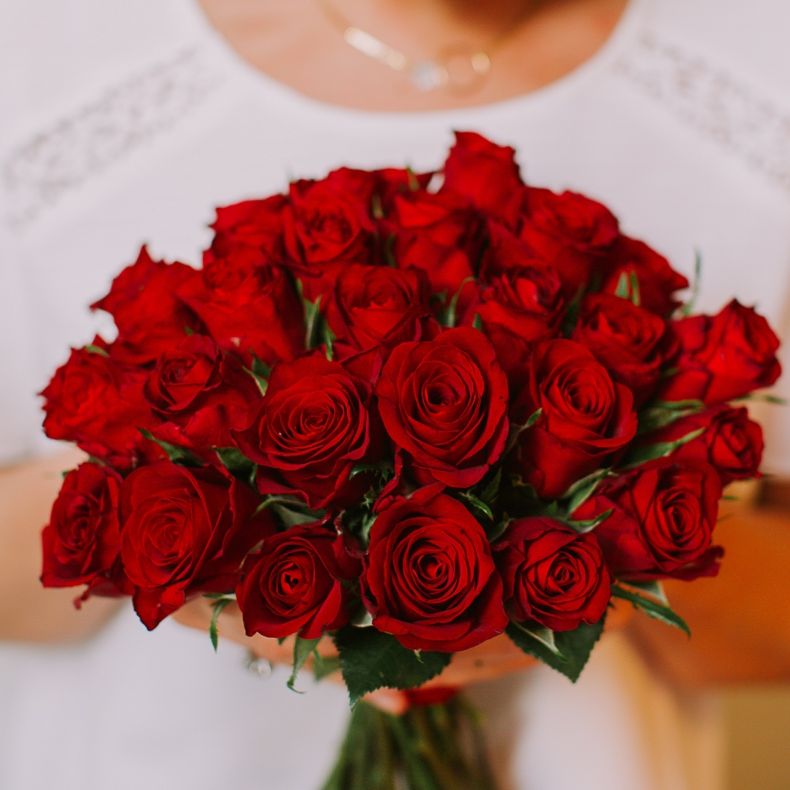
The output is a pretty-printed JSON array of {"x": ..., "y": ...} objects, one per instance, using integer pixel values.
[
  {"x": 200, "y": 396},
  {"x": 486, "y": 174},
  {"x": 183, "y": 532},
  {"x": 585, "y": 417},
  {"x": 444, "y": 405},
  {"x": 82, "y": 541},
  {"x": 98, "y": 403},
  {"x": 552, "y": 575},
  {"x": 732, "y": 443},
  {"x": 662, "y": 522},
  {"x": 149, "y": 315},
  {"x": 631, "y": 342},
  {"x": 572, "y": 231},
  {"x": 312, "y": 427},
  {"x": 723, "y": 357},
  {"x": 429, "y": 578},
  {"x": 296, "y": 583},
  {"x": 658, "y": 282}
]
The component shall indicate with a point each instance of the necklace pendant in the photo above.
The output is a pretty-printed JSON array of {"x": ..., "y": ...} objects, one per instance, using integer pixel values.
[{"x": 428, "y": 75}]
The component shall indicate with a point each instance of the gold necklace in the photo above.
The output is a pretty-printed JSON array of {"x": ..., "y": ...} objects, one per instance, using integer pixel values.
[{"x": 460, "y": 68}]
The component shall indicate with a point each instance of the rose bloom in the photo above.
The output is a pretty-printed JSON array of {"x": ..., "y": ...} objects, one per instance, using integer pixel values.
[
  {"x": 313, "y": 426},
  {"x": 183, "y": 532},
  {"x": 664, "y": 513},
  {"x": 585, "y": 417},
  {"x": 82, "y": 540},
  {"x": 444, "y": 405},
  {"x": 429, "y": 577},
  {"x": 248, "y": 308},
  {"x": 552, "y": 575},
  {"x": 732, "y": 443},
  {"x": 200, "y": 396},
  {"x": 724, "y": 356},
  {"x": 251, "y": 230},
  {"x": 572, "y": 231},
  {"x": 144, "y": 304},
  {"x": 658, "y": 281},
  {"x": 486, "y": 174},
  {"x": 630, "y": 341},
  {"x": 98, "y": 403},
  {"x": 297, "y": 583},
  {"x": 373, "y": 308}
]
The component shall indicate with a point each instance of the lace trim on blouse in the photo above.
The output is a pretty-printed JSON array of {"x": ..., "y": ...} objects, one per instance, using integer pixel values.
[
  {"x": 722, "y": 108},
  {"x": 36, "y": 174}
]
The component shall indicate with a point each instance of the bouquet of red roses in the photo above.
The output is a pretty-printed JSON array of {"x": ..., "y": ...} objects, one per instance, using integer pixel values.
[{"x": 410, "y": 412}]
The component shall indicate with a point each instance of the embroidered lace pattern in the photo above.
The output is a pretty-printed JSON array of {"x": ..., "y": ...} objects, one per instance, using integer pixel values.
[
  {"x": 36, "y": 174},
  {"x": 718, "y": 105}
]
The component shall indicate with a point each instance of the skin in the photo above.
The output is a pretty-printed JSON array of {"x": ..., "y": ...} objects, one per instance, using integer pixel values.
[{"x": 739, "y": 615}]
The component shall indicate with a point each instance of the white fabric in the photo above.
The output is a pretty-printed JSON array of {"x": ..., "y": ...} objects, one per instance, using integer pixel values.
[{"x": 123, "y": 122}]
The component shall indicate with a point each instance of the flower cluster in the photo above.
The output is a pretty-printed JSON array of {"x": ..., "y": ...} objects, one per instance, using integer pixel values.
[{"x": 440, "y": 406}]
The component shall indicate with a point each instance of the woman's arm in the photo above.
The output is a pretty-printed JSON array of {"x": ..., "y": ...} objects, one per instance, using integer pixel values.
[
  {"x": 740, "y": 620},
  {"x": 28, "y": 612}
]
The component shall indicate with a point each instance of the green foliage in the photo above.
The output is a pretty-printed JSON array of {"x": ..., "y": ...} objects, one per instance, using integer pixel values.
[
  {"x": 94, "y": 349},
  {"x": 370, "y": 659},
  {"x": 220, "y": 602},
  {"x": 303, "y": 648},
  {"x": 449, "y": 316},
  {"x": 565, "y": 651},
  {"x": 657, "y": 609},
  {"x": 650, "y": 452},
  {"x": 178, "y": 455},
  {"x": 663, "y": 413},
  {"x": 236, "y": 463}
]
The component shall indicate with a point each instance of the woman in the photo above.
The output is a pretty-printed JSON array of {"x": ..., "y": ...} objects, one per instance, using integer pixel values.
[{"x": 132, "y": 121}]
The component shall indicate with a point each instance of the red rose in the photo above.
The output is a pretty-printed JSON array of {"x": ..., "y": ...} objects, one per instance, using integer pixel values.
[
  {"x": 312, "y": 428},
  {"x": 378, "y": 307},
  {"x": 630, "y": 341},
  {"x": 724, "y": 356},
  {"x": 199, "y": 395},
  {"x": 662, "y": 523},
  {"x": 485, "y": 174},
  {"x": 572, "y": 231},
  {"x": 329, "y": 221},
  {"x": 184, "y": 531},
  {"x": 97, "y": 403},
  {"x": 440, "y": 234},
  {"x": 252, "y": 229},
  {"x": 82, "y": 541},
  {"x": 297, "y": 583},
  {"x": 251, "y": 309},
  {"x": 585, "y": 417},
  {"x": 552, "y": 575},
  {"x": 658, "y": 281},
  {"x": 732, "y": 443},
  {"x": 429, "y": 578},
  {"x": 444, "y": 405},
  {"x": 149, "y": 315}
]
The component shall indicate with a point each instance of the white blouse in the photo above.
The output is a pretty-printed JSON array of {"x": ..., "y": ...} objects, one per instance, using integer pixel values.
[{"x": 128, "y": 121}]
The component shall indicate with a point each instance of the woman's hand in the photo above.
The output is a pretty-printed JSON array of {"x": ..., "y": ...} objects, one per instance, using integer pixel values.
[{"x": 488, "y": 661}]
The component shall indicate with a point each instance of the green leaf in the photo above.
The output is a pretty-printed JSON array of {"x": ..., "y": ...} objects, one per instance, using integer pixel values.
[
  {"x": 622, "y": 289},
  {"x": 216, "y": 610},
  {"x": 302, "y": 650},
  {"x": 328, "y": 338},
  {"x": 541, "y": 634},
  {"x": 653, "y": 588},
  {"x": 490, "y": 490},
  {"x": 376, "y": 207},
  {"x": 571, "y": 649},
  {"x": 449, "y": 317},
  {"x": 776, "y": 400},
  {"x": 583, "y": 489},
  {"x": 91, "y": 348},
  {"x": 389, "y": 251},
  {"x": 370, "y": 660},
  {"x": 477, "y": 322},
  {"x": 383, "y": 470},
  {"x": 663, "y": 413},
  {"x": 236, "y": 463},
  {"x": 517, "y": 430},
  {"x": 654, "y": 609},
  {"x": 688, "y": 308},
  {"x": 477, "y": 504},
  {"x": 178, "y": 455},
  {"x": 572, "y": 313},
  {"x": 261, "y": 372},
  {"x": 590, "y": 524},
  {"x": 649, "y": 452},
  {"x": 636, "y": 295}
]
